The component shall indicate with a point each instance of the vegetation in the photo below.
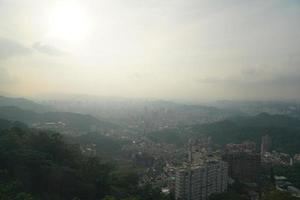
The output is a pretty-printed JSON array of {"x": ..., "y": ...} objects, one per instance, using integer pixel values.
[
  {"x": 290, "y": 172},
  {"x": 40, "y": 165},
  {"x": 171, "y": 136},
  {"x": 73, "y": 121},
  {"x": 284, "y": 131},
  {"x": 106, "y": 146},
  {"x": 24, "y": 104},
  {"x": 228, "y": 196},
  {"x": 269, "y": 195},
  {"x": 278, "y": 195}
]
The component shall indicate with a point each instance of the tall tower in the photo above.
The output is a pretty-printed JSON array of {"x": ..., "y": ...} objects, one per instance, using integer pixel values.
[{"x": 266, "y": 143}]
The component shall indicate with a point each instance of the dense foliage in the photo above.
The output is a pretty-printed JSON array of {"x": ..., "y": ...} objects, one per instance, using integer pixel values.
[
  {"x": 40, "y": 165},
  {"x": 105, "y": 145},
  {"x": 278, "y": 195},
  {"x": 269, "y": 195},
  {"x": 290, "y": 172},
  {"x": 265, "y": 191},
  {"x": 172, "y": 136},
  {"x": 228, "y": 196}
]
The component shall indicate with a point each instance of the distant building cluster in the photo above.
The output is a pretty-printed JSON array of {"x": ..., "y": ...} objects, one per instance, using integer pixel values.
[
  {"x": 275, "y": 158},
  {"x": 197, "y": 170}
]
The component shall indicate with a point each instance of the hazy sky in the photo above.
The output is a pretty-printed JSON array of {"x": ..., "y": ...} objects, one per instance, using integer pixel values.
[{"x": 170, "y": 49}]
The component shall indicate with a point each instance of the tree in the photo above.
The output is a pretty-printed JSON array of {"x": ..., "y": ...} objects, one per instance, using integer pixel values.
[{"x": 278, "y": 195}]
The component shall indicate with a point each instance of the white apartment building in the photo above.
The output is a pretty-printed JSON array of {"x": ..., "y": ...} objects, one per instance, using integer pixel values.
[{"x": 199, "y": 181}]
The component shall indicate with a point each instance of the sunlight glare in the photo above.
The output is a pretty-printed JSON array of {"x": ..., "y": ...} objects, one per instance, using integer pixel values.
[{"x": 68, "y": 22}]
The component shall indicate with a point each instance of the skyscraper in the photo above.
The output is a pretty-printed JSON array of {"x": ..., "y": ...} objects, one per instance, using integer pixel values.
[
  {"x": 243, "y": 161},
  {"x": 266, "y": 143},
  {"x": 243, "y": 166}
]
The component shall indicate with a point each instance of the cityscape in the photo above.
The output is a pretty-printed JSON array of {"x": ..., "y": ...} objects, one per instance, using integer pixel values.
[
  {"x": 200, "y": 156},
  {"x": 149, "y": 100}
]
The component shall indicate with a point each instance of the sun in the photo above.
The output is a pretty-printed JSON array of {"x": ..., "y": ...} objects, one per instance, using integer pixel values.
[{"x": 68, "y": 22}]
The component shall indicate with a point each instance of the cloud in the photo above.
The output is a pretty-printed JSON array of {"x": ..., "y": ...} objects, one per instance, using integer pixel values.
[
  {"x": 135, "y": 76},
  {"x": 47, "y": 49},
  {"x": 255, "y": 77},
  {"x": 10, "y": 48},
  {"x": 203, "y": 48},
  {"x": 5, "y": 78}
]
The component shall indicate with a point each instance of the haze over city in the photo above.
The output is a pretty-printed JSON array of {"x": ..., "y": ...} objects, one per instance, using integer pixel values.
[
  {"x": 194, "y": 50},
  {"x": 149, "y": 99}
]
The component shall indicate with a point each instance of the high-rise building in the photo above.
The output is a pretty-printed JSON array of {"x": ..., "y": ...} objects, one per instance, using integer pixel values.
[
  {"x": 243, "y": 167},
  {"x": 199, "y": 149},
  {"x": 243, "y": 161},
  {"x": 199, "y": 181},
  {"x": 266, "y": 143}
]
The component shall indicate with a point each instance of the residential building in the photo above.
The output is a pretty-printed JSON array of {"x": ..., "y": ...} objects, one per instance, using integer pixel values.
[
  {"x": 199, "y": 181},
  {"x": 243, "y": 166}
]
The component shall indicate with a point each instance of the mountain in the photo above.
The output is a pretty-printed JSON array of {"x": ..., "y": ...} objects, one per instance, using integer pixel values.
[
  {"x": 284, "y": 131},
  {"x": 6, "y": 124},
  {"x": 42, "y": 165},
  {"x": 24, "y": 104},
  {"x": 141, "y": 113},
  {"x": 290, "y": 108},
  {"x": 55, "y": 120}
]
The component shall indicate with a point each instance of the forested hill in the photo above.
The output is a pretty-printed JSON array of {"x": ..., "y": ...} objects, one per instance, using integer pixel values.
[
  {"x": 37, "y": 165},
  {"x": 284, "y": 130},
  {"x": 75, "y": 121},
  {"x": 6, "y": 124},
  {"x": 24, "y": 104}
]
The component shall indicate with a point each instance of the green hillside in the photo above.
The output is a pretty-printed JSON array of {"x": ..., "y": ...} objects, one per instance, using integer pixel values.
[
  {"x": 75, "y": 121},
  {"x": 37, "y": 165},
  {"x": 284, "y": 130},
  {"x": 24, "y": 104}
]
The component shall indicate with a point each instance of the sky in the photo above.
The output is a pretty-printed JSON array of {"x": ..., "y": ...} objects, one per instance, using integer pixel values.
[{"x": 195, "y": 50}]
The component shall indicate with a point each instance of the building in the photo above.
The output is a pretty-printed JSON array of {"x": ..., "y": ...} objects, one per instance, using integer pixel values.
[
  {"x": 247, "y": 147},
  {"x": 266, "y": 143},
  {"x": 276, "y": 158},
  {"x": 296, "y": 158},
  {"x": 243, "y": 161},
  {"x": 199, "y": 181},
  {"x": 199, "y": 149},
  {"x": 243, "y": 167}
]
